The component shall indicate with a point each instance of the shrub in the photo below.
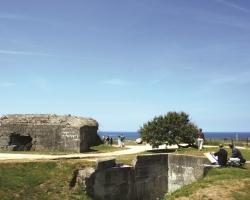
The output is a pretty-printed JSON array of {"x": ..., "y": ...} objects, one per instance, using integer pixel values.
[{"x": 172, "y": 128}]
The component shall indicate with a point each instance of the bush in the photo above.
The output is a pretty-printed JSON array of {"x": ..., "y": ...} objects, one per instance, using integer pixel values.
[{"x": 172, "y": 128}]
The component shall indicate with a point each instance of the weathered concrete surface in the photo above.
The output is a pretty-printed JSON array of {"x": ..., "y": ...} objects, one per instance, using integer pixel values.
[
  {"x": 150, "y": 177},
  {"x": 48, "y": 132},
  {"x": 183, "y": 170},
  {"x": 119, "y": 184}
]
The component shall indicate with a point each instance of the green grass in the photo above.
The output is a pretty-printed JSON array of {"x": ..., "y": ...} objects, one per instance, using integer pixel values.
[
  {"x": 214, "y": 142},
  {"x": 50, "y": 180},
  {"x": 226, "y": 142},
  {"x": 103, "y": 148},
  {"x": 246, "y": 153},
  {"x": 40, "y": 180},
  {"x": 193, "y": 151},
  {"x": 219, "y": 178},
  {"x": 243, "y": 193},
  {"x": 126, "y": 159},
  {"x": 43, "y": 152}
]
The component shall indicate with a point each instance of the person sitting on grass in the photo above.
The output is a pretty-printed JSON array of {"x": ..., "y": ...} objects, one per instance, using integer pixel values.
[
  {"x": 236, "y": 154},
  {"x": 221, "y": 155}
]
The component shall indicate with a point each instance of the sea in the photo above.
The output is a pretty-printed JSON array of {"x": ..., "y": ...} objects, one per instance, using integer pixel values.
[{"x": 208, "y": 135}]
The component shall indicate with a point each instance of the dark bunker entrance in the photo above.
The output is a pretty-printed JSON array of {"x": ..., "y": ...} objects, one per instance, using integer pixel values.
[{"x": 20, "y": 142}]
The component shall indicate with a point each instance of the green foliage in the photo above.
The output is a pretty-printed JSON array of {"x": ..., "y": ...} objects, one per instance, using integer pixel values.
[{"x": 172, "y": 128}]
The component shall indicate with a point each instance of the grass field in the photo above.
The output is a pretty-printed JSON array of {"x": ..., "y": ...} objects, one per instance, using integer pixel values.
[
  {"x": 51, "y": 179},
  {"x": 220, "y": 183},
  {"x": 243, "y": 143},
  {"x": 47, "y": 180},
  {"x": 40, "y": 180},
  {"x": 193, "y": 151}
]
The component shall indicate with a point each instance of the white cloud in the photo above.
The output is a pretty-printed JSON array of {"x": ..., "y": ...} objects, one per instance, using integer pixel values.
[
  {"x": 26, "y": 53},
  {"x": 41, "y": 83},
  {"x": 116, "y": 82},
  {"x": 12, "y": 16},
  {"x": 24, "y": 18},
  {"x": 239, "y": 79},
  {"x": 7, "y": 84},
  {"x": 155, "y": 82},
  {"x": 233, "y": 5},
  {"x": 230, "y": 21},
  {"x": 219, "y": 81},
  {"x": 223, "y": 80}
]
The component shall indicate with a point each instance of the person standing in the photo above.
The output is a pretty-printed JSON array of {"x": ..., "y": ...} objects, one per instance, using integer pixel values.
[
  {"x": 103, "y": 139},
  {"x": 122, "y": 141},
  {"x": 222, "y": 156},
  {"x": 119, "y": 141},
  {"x": 200, "y": 139},
  {"x": 107, "y": 139}
]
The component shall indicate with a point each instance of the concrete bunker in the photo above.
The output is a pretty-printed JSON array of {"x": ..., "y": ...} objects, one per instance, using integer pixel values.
[
  {"x": 20, "y": 142},
  {"x": 148, "y": 178},
  {"x": 24, "y": 132}
]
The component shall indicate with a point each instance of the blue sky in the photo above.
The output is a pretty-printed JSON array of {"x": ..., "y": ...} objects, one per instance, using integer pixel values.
[{"x": 124, "y": 62}]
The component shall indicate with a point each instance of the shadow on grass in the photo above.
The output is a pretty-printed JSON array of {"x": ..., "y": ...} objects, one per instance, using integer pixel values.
[
  {"x": 91, "y": 150},
  {"x": 162, "y": 151}
]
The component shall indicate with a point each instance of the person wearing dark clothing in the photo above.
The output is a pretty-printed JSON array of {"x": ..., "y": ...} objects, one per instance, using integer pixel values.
[
  {"x": 236, "y": 153},
  {"x": 200, "y": 139},
  {"x": 222, "y": 156},
  {"x": 107, "y": 140}
]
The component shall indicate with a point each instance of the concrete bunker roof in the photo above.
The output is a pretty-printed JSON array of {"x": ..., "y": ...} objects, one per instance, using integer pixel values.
[{"x": 48, "y": 119}]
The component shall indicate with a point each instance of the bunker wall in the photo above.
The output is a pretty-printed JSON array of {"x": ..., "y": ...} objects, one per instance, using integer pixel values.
[
  {"x": 150, "y": 177},
  {"x": 44, "y": 137}
]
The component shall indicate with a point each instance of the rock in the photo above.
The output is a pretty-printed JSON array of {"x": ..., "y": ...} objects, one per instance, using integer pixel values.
[
  {"x": 85, "y": 178},
  {"x": 138, "y": 141}
]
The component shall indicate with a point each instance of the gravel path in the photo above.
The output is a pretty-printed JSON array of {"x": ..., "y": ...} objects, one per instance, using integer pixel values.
[
  {"x": 130, "y": 149},
  {"x": 31, "y": 157}
]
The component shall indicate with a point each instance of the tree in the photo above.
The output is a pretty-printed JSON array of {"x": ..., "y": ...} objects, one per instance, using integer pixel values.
[{"x": 172, "y": 128}]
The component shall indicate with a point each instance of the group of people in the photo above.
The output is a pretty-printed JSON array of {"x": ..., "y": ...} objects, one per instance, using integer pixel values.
[
  {"x": 236, "y": 158},
  {"x": 221, "y": 156},
  {"x": 107, "y": 140}
]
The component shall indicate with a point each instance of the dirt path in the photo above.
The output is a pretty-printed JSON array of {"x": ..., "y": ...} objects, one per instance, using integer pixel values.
[
  {"x": 31, "y": 157},
  {"x": 130, "y": 149}
]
